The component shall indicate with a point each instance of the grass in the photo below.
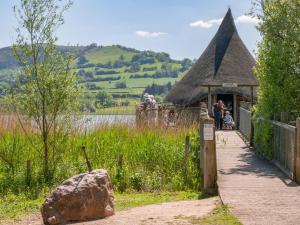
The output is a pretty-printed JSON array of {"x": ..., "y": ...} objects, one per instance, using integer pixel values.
[
  {"x": 109, "y": 53},
  {"x": 219, "y": 216},
  {"x": 147, "y": 159},
  {"x": 13, "y": 207},
  {"x": 129, "y": 200}
]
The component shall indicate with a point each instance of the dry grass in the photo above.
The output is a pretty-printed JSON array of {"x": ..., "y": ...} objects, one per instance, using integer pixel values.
[{"x": 14, "y": 123}]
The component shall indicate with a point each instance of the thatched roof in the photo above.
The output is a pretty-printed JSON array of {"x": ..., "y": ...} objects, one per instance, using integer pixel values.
[{"x": 225, "y": 60}]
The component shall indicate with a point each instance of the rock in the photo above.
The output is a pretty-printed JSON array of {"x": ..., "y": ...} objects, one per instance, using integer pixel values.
[{"x": 83, "y": 197}]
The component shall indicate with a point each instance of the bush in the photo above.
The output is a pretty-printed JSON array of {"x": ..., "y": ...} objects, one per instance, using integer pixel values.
[
  {"x": 263, "y": 137},
  {"x": 136, "y": 182},
  {"x": 103, "y": 99}
]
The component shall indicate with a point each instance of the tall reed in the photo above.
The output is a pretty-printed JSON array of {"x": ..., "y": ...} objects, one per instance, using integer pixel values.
[{"x": 136, "y": 158}]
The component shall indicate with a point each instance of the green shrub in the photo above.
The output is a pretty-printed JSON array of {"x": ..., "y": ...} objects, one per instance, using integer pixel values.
[
  {"x": 136, "y": 182},
  {"x": 263, "y": 137}
]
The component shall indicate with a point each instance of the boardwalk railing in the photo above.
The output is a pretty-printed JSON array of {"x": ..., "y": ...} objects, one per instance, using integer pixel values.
[
  {"x": 245, "y": 122},
  {"x": 283, "y": 144},
  {"x": 283, "y": 140}
]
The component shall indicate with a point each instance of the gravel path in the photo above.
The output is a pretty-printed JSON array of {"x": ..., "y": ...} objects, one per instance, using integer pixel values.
[{"x": 170, "y": 213}]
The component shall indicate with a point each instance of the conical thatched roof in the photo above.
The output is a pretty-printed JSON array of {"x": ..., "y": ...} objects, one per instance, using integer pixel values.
[{"x": 225, "y": 60}]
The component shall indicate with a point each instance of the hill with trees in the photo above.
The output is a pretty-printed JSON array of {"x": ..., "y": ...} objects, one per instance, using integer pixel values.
[{"x": 122, "y": 73}]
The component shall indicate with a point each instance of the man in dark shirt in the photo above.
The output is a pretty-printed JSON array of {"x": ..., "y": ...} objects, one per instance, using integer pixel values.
[{"x": 217, "y": 110}]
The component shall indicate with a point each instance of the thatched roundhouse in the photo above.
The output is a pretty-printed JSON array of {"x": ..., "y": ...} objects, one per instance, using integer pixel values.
[{"x": 223, "y": 72}]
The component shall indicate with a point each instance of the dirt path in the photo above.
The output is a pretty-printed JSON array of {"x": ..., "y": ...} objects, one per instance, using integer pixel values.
[{"x": 170, "y": 213}]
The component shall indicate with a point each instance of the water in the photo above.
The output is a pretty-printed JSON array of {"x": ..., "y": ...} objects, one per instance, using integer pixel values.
[
  {"x": 89, "y": 122},
  {"x": 92, "y": 121}
]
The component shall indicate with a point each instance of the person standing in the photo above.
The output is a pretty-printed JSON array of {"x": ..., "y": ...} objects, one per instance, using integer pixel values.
[
  {"x": 217, "y": 115},
  {"x": 221, "y": 106}
]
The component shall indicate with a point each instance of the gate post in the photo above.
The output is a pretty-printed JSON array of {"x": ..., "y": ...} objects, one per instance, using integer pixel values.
[
  {"x": 297, "y": 152},
  {"x": 208, "y": 157}
]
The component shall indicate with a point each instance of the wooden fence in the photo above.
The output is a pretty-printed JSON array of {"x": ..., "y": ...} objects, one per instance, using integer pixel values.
[
  {"x": 283, "y": 140},
  {"x": 283, "y": 145},
  {"x": 169, "y": 116}
]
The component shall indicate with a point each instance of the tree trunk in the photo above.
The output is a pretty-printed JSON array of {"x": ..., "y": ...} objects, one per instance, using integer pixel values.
[{"x": 46, "y": 147}]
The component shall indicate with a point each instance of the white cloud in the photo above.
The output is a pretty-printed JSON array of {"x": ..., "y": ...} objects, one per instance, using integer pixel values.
[
  {"x": 210, "y": 23},
  {"x": 246, "y": 19},
  {"x": 148, "y": 34},
  {"x": 206, "y": 24}
]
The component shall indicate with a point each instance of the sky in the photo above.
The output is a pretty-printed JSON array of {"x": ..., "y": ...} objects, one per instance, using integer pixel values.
[{"x": 182, "y": 28}]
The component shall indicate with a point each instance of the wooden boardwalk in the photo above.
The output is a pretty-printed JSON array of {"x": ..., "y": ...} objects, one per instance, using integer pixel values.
[{"x": 254, "y": 189}]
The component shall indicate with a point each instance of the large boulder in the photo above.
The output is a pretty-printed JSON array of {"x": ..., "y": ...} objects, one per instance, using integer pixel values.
[{"x": 83, "y": 197}]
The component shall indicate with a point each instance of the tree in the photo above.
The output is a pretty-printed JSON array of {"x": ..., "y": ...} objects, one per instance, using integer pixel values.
[
  {"x": 278, "y": 58},
  {"x": 49, "y": 89},
  {"x": 82, "y": 60},
  {"x": 103, "y": 99},
  {"x": 185, "y": 64},
  {"x": 278, "y": 66},
  {"x": 122, "y": 58}
]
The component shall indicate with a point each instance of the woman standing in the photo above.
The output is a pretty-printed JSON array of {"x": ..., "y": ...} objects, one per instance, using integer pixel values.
[{"x": 221, "y": 106}]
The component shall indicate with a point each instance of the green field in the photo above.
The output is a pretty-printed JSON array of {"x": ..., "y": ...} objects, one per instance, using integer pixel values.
[{"x": 110, "y": 53}]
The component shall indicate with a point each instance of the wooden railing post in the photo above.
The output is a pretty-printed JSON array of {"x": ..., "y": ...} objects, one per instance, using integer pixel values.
[
  {"x": 208, "y": 156},
  {"x": 297, "y": 152}
]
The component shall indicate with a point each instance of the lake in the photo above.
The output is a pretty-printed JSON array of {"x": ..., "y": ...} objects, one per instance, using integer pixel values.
[
  {"x": 92, "y": 121},
  {"x": 10, "y": 121}
]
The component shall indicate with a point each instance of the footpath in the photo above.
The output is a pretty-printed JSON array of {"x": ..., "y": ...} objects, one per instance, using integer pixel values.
[{"x": 255, "y": 190}]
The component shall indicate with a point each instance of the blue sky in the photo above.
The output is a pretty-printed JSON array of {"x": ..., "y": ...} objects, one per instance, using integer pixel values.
[{"x": 182, "y": 28}]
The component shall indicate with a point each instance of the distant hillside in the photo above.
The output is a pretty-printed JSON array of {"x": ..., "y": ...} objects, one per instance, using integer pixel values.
[{"x": 123, "y": 73}]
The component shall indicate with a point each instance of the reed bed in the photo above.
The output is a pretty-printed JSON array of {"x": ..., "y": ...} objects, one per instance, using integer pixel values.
[{"x": 137, "y": 158}]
